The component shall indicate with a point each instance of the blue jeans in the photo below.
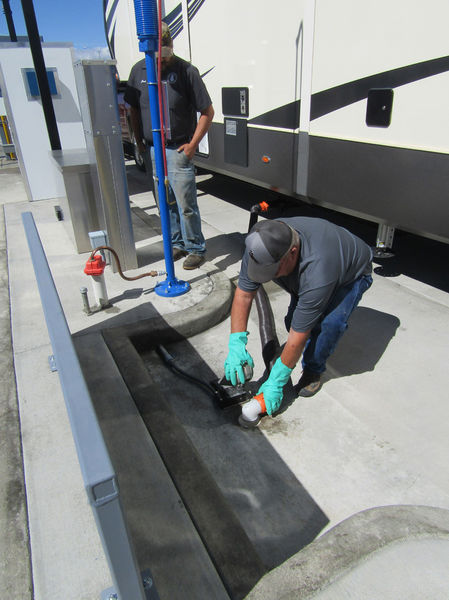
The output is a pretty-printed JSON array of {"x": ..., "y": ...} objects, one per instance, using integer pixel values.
[
  {"x": 184, "y": 214},
  {"x": 332, "y": 325}
]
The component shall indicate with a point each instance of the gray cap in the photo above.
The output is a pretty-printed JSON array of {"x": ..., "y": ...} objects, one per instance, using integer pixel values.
[{"x": 267, "y": 243}]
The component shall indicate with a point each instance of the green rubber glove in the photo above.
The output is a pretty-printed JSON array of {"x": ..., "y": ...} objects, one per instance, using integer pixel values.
[
  {"x": 237, "y": 357},
  {"x": 272, "y": 389}
]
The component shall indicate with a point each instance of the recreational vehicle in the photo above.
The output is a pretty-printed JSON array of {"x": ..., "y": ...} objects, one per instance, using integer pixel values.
[{"x": 342, "y": 103}]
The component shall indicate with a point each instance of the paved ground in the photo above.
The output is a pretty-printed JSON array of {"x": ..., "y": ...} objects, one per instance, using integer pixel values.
[{"x": 344, "y": 495}]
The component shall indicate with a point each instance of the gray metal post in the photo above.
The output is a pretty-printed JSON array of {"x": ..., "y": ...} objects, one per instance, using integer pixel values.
[
  {"x": 98, "y": 474},
  {"x": 96, "y": 85}
]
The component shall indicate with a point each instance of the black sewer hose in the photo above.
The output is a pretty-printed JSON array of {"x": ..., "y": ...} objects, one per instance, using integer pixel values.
[
  {"x": 267, "y": 329},
  {"x": 170, "y": 362}
]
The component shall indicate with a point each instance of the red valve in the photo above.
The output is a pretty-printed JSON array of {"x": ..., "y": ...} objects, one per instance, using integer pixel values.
[{"x": 95, "y": 265}]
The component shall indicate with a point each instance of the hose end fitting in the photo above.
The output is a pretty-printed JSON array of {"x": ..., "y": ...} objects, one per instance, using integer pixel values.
[{"x": 252, "y": 412}]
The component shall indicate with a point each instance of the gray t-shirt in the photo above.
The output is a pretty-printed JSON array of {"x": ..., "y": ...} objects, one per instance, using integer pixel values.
[{"x": 330, "y": 258}]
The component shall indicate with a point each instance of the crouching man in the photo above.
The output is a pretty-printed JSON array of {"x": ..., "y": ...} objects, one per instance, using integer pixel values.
[{"x": 325, "y": 269}]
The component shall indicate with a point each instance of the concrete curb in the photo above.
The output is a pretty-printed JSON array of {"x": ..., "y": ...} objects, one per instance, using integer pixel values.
[
  {"x": 15, "y": 568},
  {"x": 207, "y": 304},
  {"x": 212, "y": 309},
  {"x": 348, "y": 544}
]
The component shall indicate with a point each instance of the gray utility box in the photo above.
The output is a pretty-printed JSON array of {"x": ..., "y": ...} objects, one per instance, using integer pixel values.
[
  {"x": 96, "y": 84},
  {"x": 78, "y": 207}
]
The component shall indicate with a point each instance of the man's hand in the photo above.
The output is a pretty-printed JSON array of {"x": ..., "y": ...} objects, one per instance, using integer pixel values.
[
  {"x": 188, "y": 149},
  {"x": 272, "y": 389},
  {"x": 237, "y": 357}
]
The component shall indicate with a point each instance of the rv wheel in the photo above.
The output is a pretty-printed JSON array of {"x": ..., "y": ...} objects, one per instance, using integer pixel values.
[{"x": 138, "y": 157}]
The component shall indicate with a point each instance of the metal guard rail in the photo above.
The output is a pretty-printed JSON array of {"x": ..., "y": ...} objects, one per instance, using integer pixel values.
[{"x": 98, "y": 474}]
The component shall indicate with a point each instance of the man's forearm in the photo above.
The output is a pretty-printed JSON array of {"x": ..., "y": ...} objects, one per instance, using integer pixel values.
[
  {"x": 203, "y": 125},
  {"x": 241, "y": 307},
  {"x": 201, "y": 129},
  {"x": 294, "y": 347}
]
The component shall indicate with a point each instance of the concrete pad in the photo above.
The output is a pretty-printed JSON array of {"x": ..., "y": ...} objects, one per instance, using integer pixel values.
[
  {"x": 421, "y": 562},
  {"x": 375, "y": 432},
  {"x": 390, "y": 552},
  {"x": 46, "y": 436},
  {"x": 374, "y": 435},
  {"x": 13, "y": 188},
  {"x": 63, "y": 537}
]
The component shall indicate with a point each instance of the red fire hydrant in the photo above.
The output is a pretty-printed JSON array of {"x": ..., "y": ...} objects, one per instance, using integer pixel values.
[
  {"x": 95, "y": 265},
  {"x": 95, "y": 268}
]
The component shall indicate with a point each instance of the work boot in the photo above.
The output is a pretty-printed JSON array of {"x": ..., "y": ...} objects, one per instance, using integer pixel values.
[
  {"x": 309, "y": 384},
  {"x": 178, "y": 253},
  {"x": 193, "y": 261}
]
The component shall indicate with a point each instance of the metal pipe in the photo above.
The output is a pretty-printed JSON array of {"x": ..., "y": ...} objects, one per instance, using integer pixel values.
[
  {"x": 41, "y": 73},
  {"x": 100, "y": 292},
  {"x": 9, "y": 21},
  {"x": 86, "y": 305},
  {"x": 147, "y": 32}
]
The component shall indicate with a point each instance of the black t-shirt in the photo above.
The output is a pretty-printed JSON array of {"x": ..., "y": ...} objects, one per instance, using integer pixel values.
[
  {"x": 187, "y": 95},
  {"x": 330, "y": 258}
]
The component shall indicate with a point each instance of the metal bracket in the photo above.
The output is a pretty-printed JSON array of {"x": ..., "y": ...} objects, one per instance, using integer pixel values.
[
  {"x": 148, "y": 587},
  {"x": 170, "y": 289}
]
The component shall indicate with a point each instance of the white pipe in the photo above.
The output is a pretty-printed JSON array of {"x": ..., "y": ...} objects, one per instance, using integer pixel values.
[
  {"x": 99, "y": 288},
  {"x": 251, "y": 410}
]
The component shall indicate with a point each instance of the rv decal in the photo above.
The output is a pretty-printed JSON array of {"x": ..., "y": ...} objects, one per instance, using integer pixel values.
[
  {"x": 174, "y": 18},
  {"x": 327, "y": 101},
  {"x": 338, "y": 97}
]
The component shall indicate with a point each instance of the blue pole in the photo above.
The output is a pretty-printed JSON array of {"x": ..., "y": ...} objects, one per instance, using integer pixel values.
[{"x": 147, "y": 32}]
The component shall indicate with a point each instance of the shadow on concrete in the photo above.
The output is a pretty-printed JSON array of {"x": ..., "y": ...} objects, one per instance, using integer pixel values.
[
  {"x": 138, "y": 182},
  {"x": 131, "y": 294},
  {"x": 150, "y": 254},
  {"x": 145, "y": 226},
  {"x": 229, "y": 247},
  {"x": 419, "y": 258},
  {"x": 363, "y": 344},
  {"x": 358, "y": 351}
]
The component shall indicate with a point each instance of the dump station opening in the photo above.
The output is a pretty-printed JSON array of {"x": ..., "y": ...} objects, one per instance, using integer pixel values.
[{"x": 249, "y": 509}]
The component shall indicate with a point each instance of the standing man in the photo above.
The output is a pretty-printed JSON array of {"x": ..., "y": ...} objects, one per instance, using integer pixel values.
[
  {"x": 186, "y": 96},
  {"x": 326, "y": 269}
]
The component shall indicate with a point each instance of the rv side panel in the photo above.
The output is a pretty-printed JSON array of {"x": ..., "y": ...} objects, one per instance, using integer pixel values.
[
  {"x": 403, "y": 188},
  {"x": 278, "y": 146}
]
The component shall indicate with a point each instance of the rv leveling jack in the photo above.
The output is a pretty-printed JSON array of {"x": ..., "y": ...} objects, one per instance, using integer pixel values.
[{"x": 384, "y": 242}]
